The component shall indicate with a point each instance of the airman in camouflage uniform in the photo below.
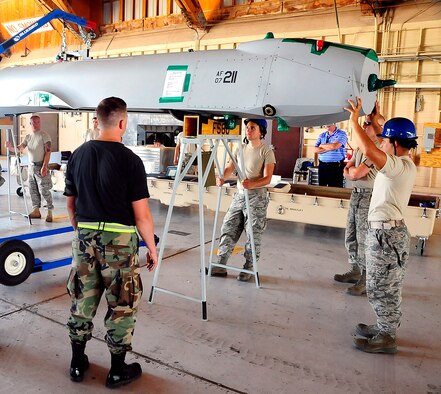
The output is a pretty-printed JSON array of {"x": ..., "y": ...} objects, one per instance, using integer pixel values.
[
  {"x": 388, "y": 240},
  {"x": 39, "y": 152},
  {"x": 361, "y": 172},
  {"x": 107, "y": 202},
  {"x": 259, "y": 161}
]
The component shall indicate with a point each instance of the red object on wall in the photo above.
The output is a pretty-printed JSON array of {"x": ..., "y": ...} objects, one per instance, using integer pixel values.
[{"x": 349, "y": 152}]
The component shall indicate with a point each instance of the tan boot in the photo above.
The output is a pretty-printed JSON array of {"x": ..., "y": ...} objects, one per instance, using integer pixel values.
[
  {"x": 380, "y": 343},
  {"x": 35, "y": 214},
  {"x": 49, "y": 217},
  {"x": 245, "y": 276},
  {"x": 366, "y": 330},
  {"x": 219, "y": 271},
  {"x": 352, "y": 276},
  {"x": 359, "y": 288}
]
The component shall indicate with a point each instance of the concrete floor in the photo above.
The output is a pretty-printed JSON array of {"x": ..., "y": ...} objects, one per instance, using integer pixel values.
[{"x": 292, "y": 335}]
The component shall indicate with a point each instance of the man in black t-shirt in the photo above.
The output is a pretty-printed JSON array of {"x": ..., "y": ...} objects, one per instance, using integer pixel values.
[{"x": 107, "y": 202}]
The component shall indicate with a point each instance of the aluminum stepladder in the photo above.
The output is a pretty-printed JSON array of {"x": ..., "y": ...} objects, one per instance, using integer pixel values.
[
  {"x": 214, "y": 141},
  {"x": 12, "y": 130}
]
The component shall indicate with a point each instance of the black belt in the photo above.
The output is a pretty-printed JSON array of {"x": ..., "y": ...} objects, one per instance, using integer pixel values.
[
  {"x": 362, "y": 189},
  {"x": 331, "y": 163}
]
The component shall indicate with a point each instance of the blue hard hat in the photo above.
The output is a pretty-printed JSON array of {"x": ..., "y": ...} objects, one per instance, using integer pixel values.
[
  {"x": 399, "y": 128},
  {"x": 261, "y": 122}
]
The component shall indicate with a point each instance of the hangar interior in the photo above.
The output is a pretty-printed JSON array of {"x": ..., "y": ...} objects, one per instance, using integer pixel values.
[{"x": 292, "y": 334}]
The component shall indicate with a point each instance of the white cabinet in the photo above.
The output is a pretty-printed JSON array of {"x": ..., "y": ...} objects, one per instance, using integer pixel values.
[{"x": 155, "y": 159}]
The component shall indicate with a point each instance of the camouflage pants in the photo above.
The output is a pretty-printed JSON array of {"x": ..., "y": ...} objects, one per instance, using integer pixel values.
[
  {"x": 38, "y": 183},
  {"x": 107, "y": 262},
  {"x": 236, "y": 220},
  {"x": 2, "y": 180},
  {"x": 357, "y": 228},
  {"x": 192, "y": 169},
  {"x": 387, "y": 255}
]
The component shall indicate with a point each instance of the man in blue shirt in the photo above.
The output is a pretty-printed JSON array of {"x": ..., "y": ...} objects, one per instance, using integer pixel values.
[{"x": 331, "y": 149}]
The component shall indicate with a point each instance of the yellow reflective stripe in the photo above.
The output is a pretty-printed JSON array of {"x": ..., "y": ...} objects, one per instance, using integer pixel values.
[
  {"x": 112, "y": 227},
  {"x": 119, "y": 230},
  {"x": 84, "y": 225}
]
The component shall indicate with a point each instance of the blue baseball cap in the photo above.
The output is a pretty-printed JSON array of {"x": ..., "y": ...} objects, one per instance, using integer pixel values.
[{"x": 261, "y": 122}]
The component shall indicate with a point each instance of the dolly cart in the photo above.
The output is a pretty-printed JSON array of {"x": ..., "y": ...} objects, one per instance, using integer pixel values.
[{"x": 17, "y": 260}]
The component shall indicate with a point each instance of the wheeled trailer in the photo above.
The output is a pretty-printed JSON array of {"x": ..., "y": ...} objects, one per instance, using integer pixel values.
[{"x": 17, "y": 259}]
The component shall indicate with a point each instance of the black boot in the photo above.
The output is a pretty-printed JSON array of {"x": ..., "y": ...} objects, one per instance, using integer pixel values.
[
  {"x": 121, "y": 373},
  {"x": 79, "y": 363}
]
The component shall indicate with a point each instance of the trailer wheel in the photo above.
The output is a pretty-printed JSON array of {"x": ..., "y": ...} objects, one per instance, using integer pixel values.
[
  {"x": 269, "y": 110},
  {"x": 16, "y": 262},
  {"x": 19, "y": 191}
]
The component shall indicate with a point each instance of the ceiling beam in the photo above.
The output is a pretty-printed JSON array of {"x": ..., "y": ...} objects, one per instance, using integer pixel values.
[
  {"x": 63, "y": 5},
  {"x": 192, "y": 11},
  {"x": 51, "y": 5}
]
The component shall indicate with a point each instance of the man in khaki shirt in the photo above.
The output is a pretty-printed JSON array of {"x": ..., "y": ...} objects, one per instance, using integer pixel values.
[
  {"x": 39, "y": 152},
  {"x": 92, "y": 134}
]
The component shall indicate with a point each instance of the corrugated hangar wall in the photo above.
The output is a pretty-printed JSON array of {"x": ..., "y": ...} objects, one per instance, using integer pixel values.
[{"x": 407, "y": 39}]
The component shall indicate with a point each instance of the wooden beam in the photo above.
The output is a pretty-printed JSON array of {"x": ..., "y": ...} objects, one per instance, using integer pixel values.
[
  {"x": 192, "y": 10},
  {"x": 144, "y": 25},
  {"x": 6, "y": 121},
  {"x": 144, "y": 9},
  {"x": 433, "y": 158},
  {"x": 63, "y": 5},
  {"x": 53, "y": 5},
  {"x": 121, "y": 10}
]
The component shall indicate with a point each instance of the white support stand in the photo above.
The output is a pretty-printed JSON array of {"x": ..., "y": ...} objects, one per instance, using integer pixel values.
[
  {"x": 14, "y": 143},
  {"x": 214, "y": 142}
]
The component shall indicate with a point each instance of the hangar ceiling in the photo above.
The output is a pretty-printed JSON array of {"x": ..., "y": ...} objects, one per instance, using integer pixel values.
[{"x": 201, "y": 14}]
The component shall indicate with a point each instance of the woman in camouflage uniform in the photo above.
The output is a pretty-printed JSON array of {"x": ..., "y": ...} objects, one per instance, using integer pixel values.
[
  {"x": 259, "y": 168},
  {"x": 388, "y": 240}
]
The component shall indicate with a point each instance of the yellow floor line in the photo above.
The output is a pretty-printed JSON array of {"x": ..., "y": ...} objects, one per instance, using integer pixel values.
[
  {"x": 61, "y": 217},
  {"x": 236, "y": 250}
]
